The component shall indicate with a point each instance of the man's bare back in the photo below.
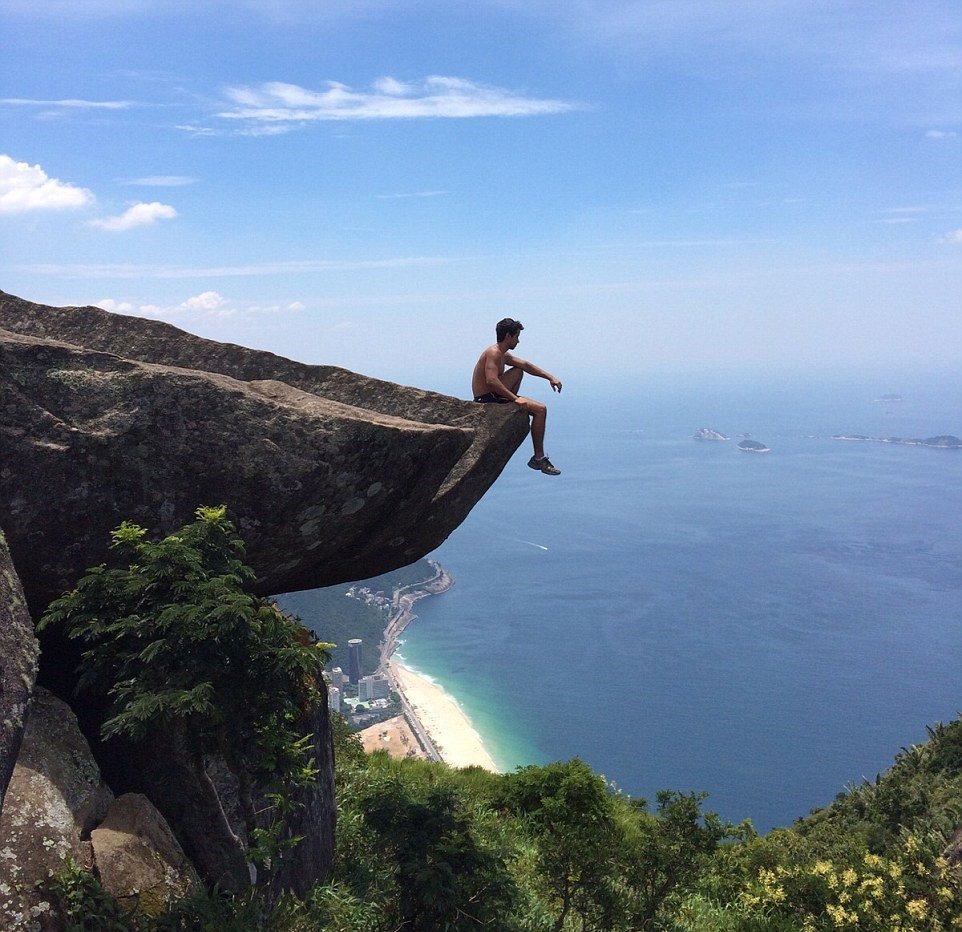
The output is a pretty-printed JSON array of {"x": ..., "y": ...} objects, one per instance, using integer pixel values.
[{"x": 497, "y": 377}]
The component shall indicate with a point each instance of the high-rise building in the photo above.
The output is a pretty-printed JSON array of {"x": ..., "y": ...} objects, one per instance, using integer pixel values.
[
  {"x": 333, "y": 699},
  {"x": 373, "y": 687},
  {"x": 337, "y": 677},
  {"x": 354, "y": 660}
]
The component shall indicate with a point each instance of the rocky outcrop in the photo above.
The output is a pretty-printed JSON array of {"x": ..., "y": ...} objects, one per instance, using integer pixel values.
[
  {"x": 54, "y": 799},
  {"x": 18, "y": 665},
  {"x": 58, "y": 807},
  {"x": 137, "y": 859},
  {"x": 312, "y": 818},
  {"x": 329, "y": 475}
]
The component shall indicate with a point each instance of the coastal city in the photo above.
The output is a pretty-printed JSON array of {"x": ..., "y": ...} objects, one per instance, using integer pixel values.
[{"x": 394, "y": 708}]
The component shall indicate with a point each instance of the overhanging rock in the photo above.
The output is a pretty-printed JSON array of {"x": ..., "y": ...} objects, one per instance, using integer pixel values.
[{"x": 329, "y": 475}]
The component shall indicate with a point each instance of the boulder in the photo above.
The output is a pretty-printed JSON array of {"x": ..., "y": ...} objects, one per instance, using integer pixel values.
[
  {"x": 329, "y": 475},
  {"x": 54, "y": 799},
  {"x": 18, "y": 665},
  {"x": 138, "y": 860}
]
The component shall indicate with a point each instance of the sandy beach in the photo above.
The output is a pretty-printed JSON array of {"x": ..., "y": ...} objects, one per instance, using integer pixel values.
[{"x": 449, "y": 729}]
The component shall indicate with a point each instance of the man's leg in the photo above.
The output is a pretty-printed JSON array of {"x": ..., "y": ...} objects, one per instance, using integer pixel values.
[
  {"x": 535, "y": 410},
  {"x": 512, "y": 379},
  {"x": 539, "y": 414}
]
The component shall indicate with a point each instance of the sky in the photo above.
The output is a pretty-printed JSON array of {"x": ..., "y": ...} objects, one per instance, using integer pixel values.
[{"x": 649, "y": 186}]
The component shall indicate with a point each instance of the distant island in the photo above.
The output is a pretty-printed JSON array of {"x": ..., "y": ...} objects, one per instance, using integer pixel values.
[
  {"x": 942, "y": 442},
  {"x": 706, "y": 433},
  {"x": 753, "y": 446}
]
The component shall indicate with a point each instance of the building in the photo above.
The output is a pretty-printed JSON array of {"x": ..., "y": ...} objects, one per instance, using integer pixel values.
[
  {"x": 337, "y": 677},
  {"x": 333, "y": 699},
  {"x": 373, "y": 687},
  {"x": 354, "y": 660}
]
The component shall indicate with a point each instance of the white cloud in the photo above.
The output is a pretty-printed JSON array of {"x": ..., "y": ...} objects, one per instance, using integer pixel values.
[
  {"x": 26, "y": 187},
  {"x": 117, "y": 307},
  {"x": 954, "y": 236},
  {"x": 279, "y": 104},
  {"x": 233, "y": 271},
  {"x": 69, "y": 104},
  {"x": 137, "y": 215},
  {"x": 207, "y": 304},
  {"x": 392, "y": 197},
  {"x": 940, "y": 134},
  {"x": 161, "y": 181},
  {"x": 207, "y": 301},
  {"x": 195, "y": 130},
  {"x": 392, "y": 86}
]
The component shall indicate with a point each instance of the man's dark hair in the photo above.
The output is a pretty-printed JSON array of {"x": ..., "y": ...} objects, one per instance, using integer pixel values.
[{"x": 506, "y": 326}]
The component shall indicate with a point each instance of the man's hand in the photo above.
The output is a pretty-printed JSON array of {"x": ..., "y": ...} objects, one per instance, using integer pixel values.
[{"x": 555, "y": 385}]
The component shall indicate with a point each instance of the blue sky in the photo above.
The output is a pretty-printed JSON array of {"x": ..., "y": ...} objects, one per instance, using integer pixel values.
[{"x": 649, "y": 186}]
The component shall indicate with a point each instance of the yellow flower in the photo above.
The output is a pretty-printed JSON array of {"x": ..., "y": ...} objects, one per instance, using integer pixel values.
[
  {"x": 849, "y": 877},
  {"x": 822, "y": 867},
  {"x": 837, "y": 913},
  {"x": 916, "y": 908}
]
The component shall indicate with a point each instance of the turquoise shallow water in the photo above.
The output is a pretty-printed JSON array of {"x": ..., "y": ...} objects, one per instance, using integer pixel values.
[{"x": 767, "y": 628}]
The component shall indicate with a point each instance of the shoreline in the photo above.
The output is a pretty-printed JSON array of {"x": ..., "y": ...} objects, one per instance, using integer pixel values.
[{"x": 440, "y": 726}]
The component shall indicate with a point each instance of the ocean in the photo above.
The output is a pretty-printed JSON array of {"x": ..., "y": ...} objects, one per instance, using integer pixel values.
[{"x": 766, "y": 628}]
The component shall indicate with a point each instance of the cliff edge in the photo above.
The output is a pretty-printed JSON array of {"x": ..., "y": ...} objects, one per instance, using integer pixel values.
[{"x": 329, "y": 475}]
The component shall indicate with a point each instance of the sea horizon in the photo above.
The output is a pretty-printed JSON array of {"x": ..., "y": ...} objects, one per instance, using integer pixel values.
[{"x": 767, "y": 628}]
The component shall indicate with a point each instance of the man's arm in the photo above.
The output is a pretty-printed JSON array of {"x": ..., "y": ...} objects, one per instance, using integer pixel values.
[
  {"x": 492, "y": 377},
  {"x": 532, "y": 369}
]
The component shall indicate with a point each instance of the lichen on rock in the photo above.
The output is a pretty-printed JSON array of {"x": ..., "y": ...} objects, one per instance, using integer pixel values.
[{"x": 18, "y": 665}]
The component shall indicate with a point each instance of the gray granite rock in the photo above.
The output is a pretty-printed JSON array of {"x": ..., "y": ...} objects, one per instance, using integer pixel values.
[
  {"x": 18, "y": 665},
  {"x": 138, "y": 860},
  {"x": 330, "y": 476},
  {"x": 54, "y": 799}
]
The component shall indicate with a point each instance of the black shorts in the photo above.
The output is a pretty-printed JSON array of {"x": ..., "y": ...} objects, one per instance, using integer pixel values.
[{"x": 492, "y": 399}]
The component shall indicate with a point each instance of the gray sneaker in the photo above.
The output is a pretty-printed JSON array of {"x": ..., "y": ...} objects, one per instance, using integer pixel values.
[{"x": 544, "y": 465}]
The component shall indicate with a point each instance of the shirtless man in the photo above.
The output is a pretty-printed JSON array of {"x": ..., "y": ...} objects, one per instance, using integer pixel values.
[{"x": 491, "y": 383}]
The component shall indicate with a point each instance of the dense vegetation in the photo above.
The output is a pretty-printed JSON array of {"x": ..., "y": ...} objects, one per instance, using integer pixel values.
[
  {"x": 182, "y": 652},
  {"x": 421, "y": 846},
  {"x": 424, "y": 847}
]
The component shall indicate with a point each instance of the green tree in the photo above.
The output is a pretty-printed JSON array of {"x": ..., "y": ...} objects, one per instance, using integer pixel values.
[
  {"x": 665, "y": 854},
  {"x": 447, "y": 876},
  {"x": 189, "y": 659},
  {"x": 569, "y": 811}
]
